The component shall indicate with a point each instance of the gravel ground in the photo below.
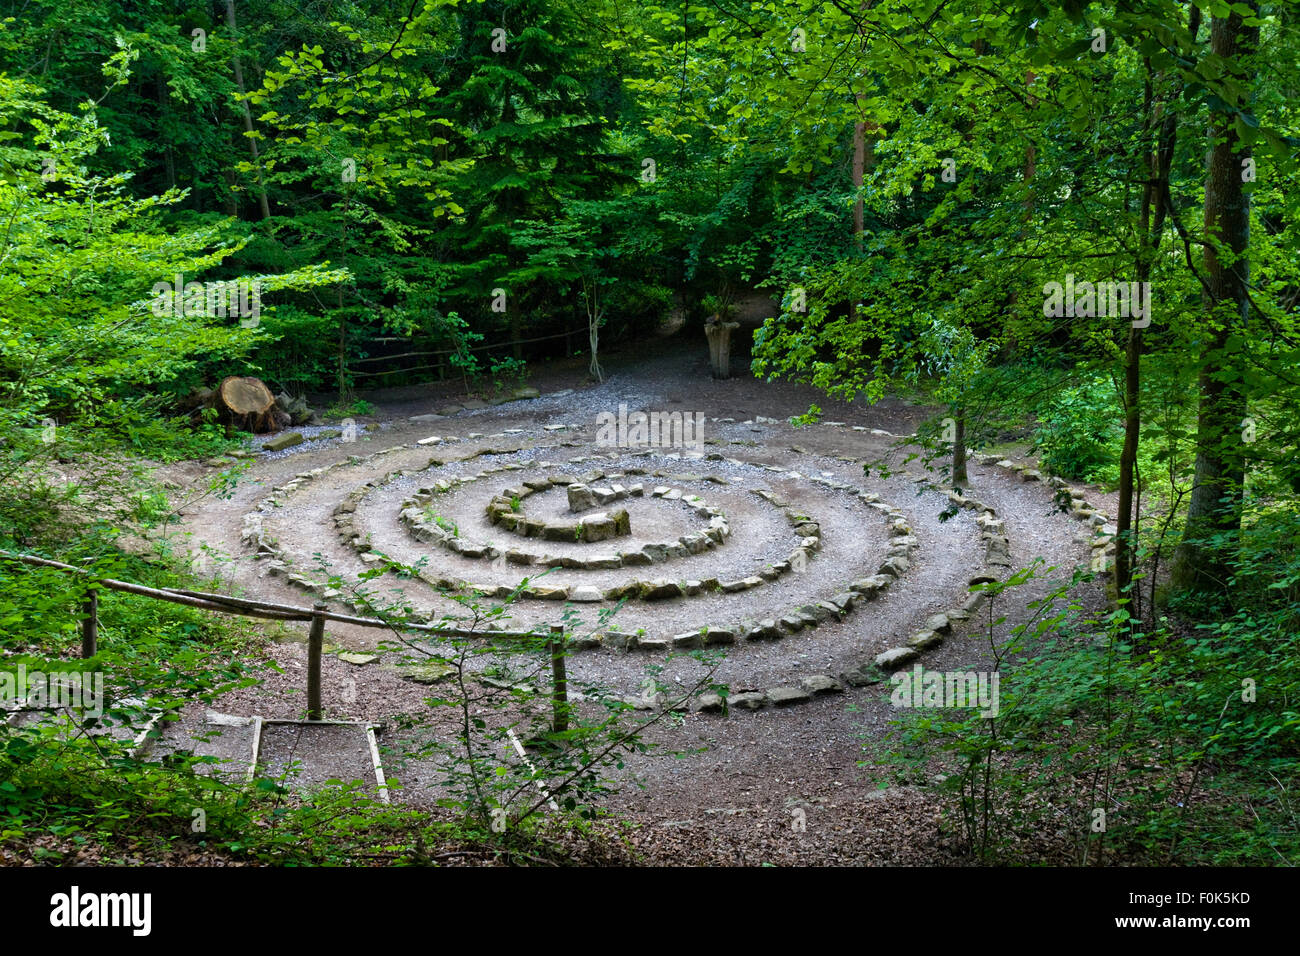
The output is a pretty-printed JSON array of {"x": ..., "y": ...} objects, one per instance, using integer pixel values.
[{"x": 784, "y": 785}]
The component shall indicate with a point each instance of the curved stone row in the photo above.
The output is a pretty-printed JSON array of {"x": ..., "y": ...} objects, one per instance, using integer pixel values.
[
  {"x": 870, "y": 671},
  {"x": 799, "y": 617},
  {"x": 424, "y": 528},
  {"x": 937, "y": 626},
  {"x": 807, "y": 531},
  {"x": 997, "y": 559},
  {"x": 875, "y": 669}
]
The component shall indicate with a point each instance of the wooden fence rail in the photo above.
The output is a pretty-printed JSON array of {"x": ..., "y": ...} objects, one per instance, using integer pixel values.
[{"x": 265, "y": 610}]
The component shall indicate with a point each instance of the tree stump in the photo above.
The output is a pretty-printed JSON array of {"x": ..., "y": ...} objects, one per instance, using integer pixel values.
[
  {"x": 248, "y": 405},
  {"x": 719, "y": 336}
]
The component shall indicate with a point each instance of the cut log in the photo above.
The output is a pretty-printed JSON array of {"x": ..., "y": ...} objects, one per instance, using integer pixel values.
[{"x": 248, "y": 405}]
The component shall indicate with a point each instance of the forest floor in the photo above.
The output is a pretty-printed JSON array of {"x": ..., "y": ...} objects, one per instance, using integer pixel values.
[{"x": 781, "y": 785}]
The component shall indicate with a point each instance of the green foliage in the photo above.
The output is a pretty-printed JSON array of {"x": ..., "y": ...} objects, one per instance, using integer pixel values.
[
  {"x": 1079, "y": 432},
  {"x": 1186, "y": 742}
]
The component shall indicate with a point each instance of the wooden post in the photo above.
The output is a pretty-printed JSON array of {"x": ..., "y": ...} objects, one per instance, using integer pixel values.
[
  {"x": 90, "y": 625},
  {"x": 559, "y": 681},
  {"x": 719, "y": 336},
  {"x": 315, "y": 640}
]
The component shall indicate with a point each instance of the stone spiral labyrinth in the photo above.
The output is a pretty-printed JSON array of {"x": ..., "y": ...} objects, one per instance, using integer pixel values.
[{"x": 654, "y": 550}]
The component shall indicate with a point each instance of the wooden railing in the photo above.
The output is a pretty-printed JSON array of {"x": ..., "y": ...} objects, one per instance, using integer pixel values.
[{"x": 317, "y": 615}]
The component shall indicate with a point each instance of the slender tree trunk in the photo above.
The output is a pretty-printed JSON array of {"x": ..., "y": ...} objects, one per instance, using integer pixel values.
[
  {"x": 859, "y": 167},
  {"x": 959, "y": 476},
  {"x": 1125, "y": 546},
  {"x": 343, "y": 322},
  {"x": 247, "y": 113},
  {"x": 1215, "y": 505}
]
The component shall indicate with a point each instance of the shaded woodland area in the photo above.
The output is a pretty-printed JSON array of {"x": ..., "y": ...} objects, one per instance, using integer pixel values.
[{"x": 1060, "y": 234}]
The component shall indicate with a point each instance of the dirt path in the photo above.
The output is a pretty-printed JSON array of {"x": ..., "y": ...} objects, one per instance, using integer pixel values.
[{"x": 777, "y": 785}]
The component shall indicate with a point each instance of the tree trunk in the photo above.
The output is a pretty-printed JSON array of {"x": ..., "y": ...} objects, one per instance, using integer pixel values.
[
  {"x": 1152, "y": 193},
  {"x": 1124, "y": 544},
  {"x": 590, "y": 295},
  {"x": 959, "y": 476},
  {"x": 1215, "y": 504},
  {"x": 859, "y": 166},
  {"x": 247, "y": 114}
]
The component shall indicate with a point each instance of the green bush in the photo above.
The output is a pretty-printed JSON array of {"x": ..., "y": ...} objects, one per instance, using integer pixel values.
[{"x": 1079, "y": 431}]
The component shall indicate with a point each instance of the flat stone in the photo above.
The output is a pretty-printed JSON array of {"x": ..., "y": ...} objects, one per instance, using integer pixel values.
[
  {"x": 426, "y": 673},
  {"x": 821, "y": 684},
  {"x": 719, "y": 635},
  {"x": 450, "y": 409},
  {"x": 895, "y": 657},
  {"x": 283, "y": 441},
  {"x": 818, "y": 612},
  {"x": 844, "y": 601},
  {"x": 660, "y": 589},
  {"x": 559, "y": 532},
  {"x": 938, "y": 622},
  {"x": 765, "y": 630},
  {"x": 620, "y": 591},
  {"x": 868, "y": 588},
  {"x": 864, "y": 675},
  {"x": 895, "y": 566},
  {"x": 352, "y": 657},
  {"x": 792, "y": 622},
  {"x": 785, "y": 696},
  {"x": 585, "y": 592},
  {"x": 710, "y": 703},
  {"x": 924, "y": 640},
  {"x": 748, "y": 700}
]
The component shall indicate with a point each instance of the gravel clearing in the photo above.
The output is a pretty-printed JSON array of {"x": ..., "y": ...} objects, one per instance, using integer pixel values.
[{"x": 782, "y": 784}]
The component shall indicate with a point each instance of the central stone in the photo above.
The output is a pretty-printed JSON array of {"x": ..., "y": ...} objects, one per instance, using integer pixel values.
[
  {"x": 581, "y": 498},
  {"x": 584, "y": 498}
]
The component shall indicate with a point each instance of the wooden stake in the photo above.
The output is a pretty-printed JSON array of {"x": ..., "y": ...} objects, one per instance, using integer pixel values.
[
  {"x": 90, "y": 625},
  {"x": 560, "y": 681},
  {"x": 315, "y": 641}
]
